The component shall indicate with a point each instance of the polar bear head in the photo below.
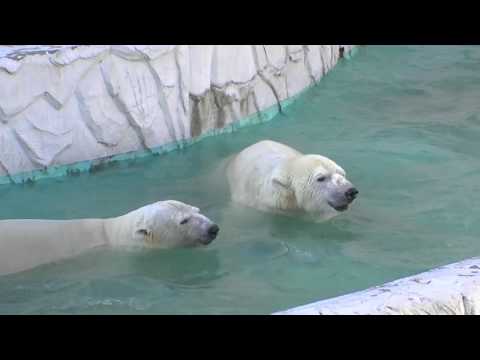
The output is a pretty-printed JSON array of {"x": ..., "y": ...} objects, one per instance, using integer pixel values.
[
  {"x": 316, "y": 185},
  {"x": 171, "y": 223}
]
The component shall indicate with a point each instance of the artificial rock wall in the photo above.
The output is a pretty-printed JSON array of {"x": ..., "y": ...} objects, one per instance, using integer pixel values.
[{"x": 61, "y": 105}]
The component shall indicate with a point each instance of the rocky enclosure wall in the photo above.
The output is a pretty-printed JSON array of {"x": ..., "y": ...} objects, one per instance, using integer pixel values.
[
  {"x": 62, "y": 105},
  {"x": 449, "y": 290}
]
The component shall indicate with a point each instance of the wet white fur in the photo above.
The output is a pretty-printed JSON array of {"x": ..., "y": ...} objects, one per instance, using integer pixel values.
[
  {"x": 274, "y": 177},
  {"x": 27, "y": 243}
]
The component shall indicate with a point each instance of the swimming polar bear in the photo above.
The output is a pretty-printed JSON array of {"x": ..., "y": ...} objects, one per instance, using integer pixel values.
[
  {"x": 273, "y": 177},
  {"x": 27, "y": 243}
]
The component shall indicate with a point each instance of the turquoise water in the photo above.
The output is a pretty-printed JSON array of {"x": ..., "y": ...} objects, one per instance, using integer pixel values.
[{"x": 404, "y": 121}]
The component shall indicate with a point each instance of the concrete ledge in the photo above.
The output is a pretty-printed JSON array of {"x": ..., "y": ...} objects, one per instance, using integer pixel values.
[{"x": 448, "y": 290}]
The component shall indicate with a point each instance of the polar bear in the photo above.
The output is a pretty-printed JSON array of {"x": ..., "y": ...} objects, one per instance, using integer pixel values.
[
  {"x": 27, "y": 243},
  {"x": 273, "y": 177}
]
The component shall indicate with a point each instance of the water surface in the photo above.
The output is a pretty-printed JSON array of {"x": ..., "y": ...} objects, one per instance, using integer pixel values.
[{"x": 404, "y": 121}]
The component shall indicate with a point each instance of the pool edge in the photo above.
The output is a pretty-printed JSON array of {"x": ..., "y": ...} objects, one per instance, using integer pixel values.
[{"x": 453, "y": 289}]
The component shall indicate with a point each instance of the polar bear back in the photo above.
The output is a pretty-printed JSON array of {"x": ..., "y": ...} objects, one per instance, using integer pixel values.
[
  {"x": 261, "y": 158},
  {"x": 26, "y": 243},
  {"x": 250, "y": 172}
]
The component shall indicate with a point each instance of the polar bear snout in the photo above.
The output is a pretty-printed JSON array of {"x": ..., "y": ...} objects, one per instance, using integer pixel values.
[
  {"x": 212, "y": 233},
  {"x": 340, "y": 200},
  {"x": 351, "y": 194}
]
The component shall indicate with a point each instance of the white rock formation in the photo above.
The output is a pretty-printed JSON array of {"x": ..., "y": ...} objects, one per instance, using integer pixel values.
[
  {"x": 64, "y": 104},
  {"x": 449, "y": 290}
]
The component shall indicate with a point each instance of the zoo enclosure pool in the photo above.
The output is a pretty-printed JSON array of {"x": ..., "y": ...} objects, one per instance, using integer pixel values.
[{"x": 402, "y": 120}]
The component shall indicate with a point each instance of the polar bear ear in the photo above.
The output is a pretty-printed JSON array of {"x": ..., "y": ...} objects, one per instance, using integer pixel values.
[
  {"x": 340, "y": 170},
  {"x": 175, "y": 204},
  {"x": 141, "y": 228},
  {"x": 279, "y": 178},
  {"x": 280, "y": 182}
]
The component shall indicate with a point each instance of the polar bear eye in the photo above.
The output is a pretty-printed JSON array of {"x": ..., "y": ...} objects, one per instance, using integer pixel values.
[
  {"x": 184, "y": 221},
  {"x": 321, "y": 178}
]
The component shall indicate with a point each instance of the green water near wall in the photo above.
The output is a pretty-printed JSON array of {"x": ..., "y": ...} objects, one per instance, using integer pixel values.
[{"x": 403, "y": 121}]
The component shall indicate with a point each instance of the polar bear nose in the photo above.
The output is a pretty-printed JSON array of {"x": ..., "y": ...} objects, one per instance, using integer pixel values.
[
  {"x": 351, "y": 194},
  {"x": 213, "y": 230}
]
